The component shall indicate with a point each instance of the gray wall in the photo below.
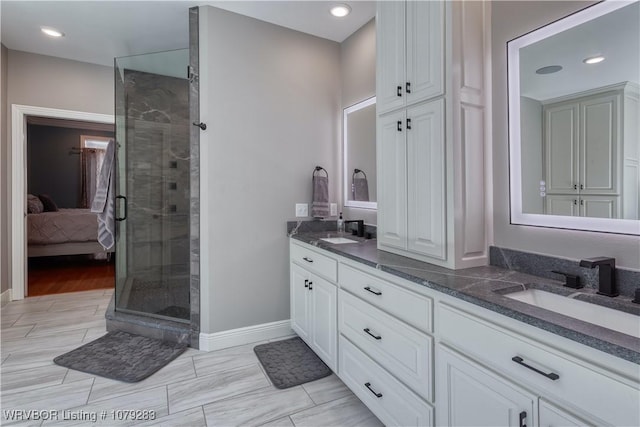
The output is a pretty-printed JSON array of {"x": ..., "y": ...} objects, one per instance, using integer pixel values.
[
  {"x": 50, "y": 168},
  {"x": 358, "y": 73},
  {"x": 271, "y": 99},
  {"x": 510, "y": 20},
  {"x": 531, "y": 134},
  {"x": 4, "y": 190}
]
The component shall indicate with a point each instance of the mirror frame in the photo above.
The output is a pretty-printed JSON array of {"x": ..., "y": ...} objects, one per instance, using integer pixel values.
[
  {"x": 345, "y": 173},
  {"x": 518, "y": 217}
]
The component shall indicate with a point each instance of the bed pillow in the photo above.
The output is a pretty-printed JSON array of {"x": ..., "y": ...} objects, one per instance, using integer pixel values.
[
  {"x": 34, "y": 204},
  {"x": 48, "y": 203}
]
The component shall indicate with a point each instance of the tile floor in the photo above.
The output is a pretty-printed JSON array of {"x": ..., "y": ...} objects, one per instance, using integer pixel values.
[{"x": 221, "y": 388}]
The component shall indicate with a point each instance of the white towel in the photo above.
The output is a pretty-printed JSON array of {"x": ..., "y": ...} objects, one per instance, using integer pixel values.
[{"x": 104, "y": 203}]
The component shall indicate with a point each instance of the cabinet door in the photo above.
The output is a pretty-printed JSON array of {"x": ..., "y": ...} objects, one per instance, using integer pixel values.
[
  {"x": 300, "y": 315},
  {"x": 391, "y": 56},
  {"x": 392, "y": 180},
  {"x": 552, "y": 416},
  {"x": 472, "y": 395},
  {"x": 324, "y": 333},
  {"x": 426, "y": 195},
  {"x": 561, "y": 148},
  {"x": 566, "y": 205},
  {"x": 599, "y": 145},
  {"x": 599, "y": 206},
  {"x": 425, "y": 50}
]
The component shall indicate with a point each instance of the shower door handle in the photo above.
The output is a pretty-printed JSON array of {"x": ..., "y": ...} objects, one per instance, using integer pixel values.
[{"x": 125, "y": 208}]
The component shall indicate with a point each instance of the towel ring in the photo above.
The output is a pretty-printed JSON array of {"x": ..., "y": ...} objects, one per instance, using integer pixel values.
[
  {"x": 318, "y": 169},
  {"x": 357, "y": 171}
]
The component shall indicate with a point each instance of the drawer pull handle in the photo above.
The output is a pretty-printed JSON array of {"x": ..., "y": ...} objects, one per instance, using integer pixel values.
[
  {"x": 368, "y": 288},
  {"x": 378, "y": 395},
  {"x": 310, "y": 285},
  {"x": 523, "y": 416},
  {"x": 520, "y": 361},
  {"x": 368, "y": 331},
  {"x": 307, "y": 259},
  {"x": 306, "y": 283}
]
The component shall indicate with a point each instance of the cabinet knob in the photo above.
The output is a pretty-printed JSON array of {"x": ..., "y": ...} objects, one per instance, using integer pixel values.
[
  {"x": 399, "y": 125},
  {"x": 399, "y": 91}
]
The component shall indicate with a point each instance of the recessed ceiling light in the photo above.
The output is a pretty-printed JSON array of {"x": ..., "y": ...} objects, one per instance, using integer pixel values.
[
  {"x": 550, "y": 69},
  {"x": 340, "y": 10},
  {"x": 51, "y": 32},
  {"x": 593, "y": 60}
]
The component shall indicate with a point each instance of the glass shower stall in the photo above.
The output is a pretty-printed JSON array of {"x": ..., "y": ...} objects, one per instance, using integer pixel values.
[{"x": 152, "y": 185}]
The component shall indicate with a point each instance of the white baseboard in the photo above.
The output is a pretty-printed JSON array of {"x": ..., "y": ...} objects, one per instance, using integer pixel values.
[
  {"x": 5, "y": 297},
  {"x": 246, "y": 335}
]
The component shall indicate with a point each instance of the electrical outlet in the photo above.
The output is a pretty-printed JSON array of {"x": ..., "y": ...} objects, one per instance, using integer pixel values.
[
  {"x": 302, "y": 210},
  {"x": 334, "y": 209}
]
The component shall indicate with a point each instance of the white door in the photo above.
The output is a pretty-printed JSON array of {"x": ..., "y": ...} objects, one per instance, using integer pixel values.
[
  {"x": 391, "y": 56},
  {"x": 425, "y": 50},
  {"x": 561, "y": 148},
  {"x": 475, "y": 396},
  {"x": 391, "y": 153},
  {"x": 300, "y": 315},
  {"x": 599, "y": 206},
  {"x": 426, "y": 218},
  {"x": 552, "y": 416},
  {"x": 323, "y": 305},
  {"x": 599, "y": 145},
  {"x": 558, "y": 204}
]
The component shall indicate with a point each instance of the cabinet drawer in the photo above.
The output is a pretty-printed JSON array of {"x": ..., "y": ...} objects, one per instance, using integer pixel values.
[
  {"x": 401, "y": 349},
  {"x": 413, "y": 308},
  {"x": 579, "y": 384},
  {"x": 314, "y": 261},
  {"x": 384, "y": 395}
]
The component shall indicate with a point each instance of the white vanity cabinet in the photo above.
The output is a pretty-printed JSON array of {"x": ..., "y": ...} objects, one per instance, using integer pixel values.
[
  {"x": 386, "y": 350},
  {"x": 410, "y": 53},
  {"x": 314, "y": 301},
  {"x": 498, "y": 355},
  {"x": 430, "y": 82}
]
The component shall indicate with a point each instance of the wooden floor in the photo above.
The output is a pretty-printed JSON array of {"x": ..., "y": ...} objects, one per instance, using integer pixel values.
[{"x": 62, "y": 274}]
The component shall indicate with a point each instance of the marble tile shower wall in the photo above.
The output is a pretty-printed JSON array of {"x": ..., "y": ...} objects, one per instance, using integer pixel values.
[
  {"x": 542, "y": 265},
  {"x": 158, "y": 186}
]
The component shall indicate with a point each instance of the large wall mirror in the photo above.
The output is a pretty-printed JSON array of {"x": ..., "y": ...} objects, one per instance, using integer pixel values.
[
  {"x": 359, "y": 177},
  {"x": 574, "y": 120}
]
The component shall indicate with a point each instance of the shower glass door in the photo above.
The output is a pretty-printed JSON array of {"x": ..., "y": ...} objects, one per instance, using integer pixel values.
[{"x": 152, "y": 185}]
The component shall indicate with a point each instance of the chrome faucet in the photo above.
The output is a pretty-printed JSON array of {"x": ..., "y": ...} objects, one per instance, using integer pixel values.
[{"x": 606, "y": 276}]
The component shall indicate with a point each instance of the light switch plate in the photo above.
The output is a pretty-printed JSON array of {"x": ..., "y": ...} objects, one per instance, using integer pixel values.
[
  {"x": 334, "y": 209},
  {"x": 302, "y": 210}
]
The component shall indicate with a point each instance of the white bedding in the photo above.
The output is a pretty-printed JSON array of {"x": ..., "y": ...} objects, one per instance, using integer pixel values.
[{"x": 66, "y": 225}]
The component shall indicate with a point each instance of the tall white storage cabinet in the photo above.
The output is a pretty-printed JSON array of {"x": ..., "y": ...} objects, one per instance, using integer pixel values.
[
  {"x": 431, "y": 130},
  {"x": 591, "y": 153}
]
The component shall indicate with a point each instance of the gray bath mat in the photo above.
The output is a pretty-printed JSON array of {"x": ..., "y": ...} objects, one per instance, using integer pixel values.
[
  {"x": 121, "y": 356},
  {"x": 290, "y": 362}
]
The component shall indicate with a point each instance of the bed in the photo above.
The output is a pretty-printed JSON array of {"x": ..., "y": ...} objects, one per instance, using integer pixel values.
[{"x": 63, "y": 232}]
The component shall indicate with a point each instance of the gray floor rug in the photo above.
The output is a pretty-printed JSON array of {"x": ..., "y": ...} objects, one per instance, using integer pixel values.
[
  {"x": 121, "y": 356},
  {"x": 290, "y": 362}
]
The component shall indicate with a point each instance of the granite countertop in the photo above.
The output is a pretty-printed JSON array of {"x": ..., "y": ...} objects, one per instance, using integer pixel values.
[{"x": 482, "y": 286}]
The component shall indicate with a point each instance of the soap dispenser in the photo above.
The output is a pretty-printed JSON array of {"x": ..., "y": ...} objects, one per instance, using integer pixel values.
[{"x": 340, "y": 224}]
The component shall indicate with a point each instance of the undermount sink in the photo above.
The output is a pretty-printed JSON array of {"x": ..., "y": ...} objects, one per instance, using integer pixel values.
[
  {"x": 616, "y": 320},
  {"x": 338, "y": 240}
]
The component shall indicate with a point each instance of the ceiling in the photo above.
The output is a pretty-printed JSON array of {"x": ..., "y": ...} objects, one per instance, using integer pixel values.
[
  {"x": 97, "y": 31},
  {"x": 616, "y": 36}
]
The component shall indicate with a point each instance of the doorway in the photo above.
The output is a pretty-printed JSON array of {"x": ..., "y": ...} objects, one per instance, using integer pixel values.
[{"x": 64, "y": 158}]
